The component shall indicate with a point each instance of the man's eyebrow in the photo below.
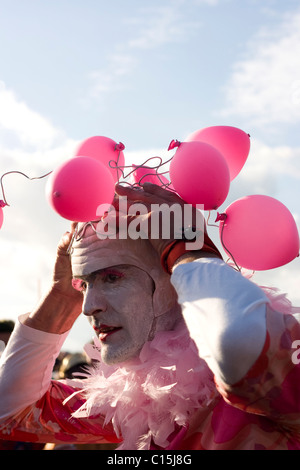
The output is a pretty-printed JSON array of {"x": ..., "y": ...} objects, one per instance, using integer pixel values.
[
  {"x": 103, "y": 271},
  {"x": 86, "y": 277},
  {"x": 82, "y": 277}
]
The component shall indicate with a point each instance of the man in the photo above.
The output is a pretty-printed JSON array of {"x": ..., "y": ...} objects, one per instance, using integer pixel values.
[{"x": 189, "y": 354}]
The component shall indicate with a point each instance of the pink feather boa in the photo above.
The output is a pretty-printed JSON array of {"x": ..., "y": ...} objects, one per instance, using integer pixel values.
[{"x": 148, "y": 398}]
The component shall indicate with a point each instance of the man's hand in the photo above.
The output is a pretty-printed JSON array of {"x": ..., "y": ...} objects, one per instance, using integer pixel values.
[
  {"x": 62, "y": 304},
  {"x": 154, "y": 197},
  {"x": 171, "y": 216},
  {"x": 62, "y": 274}
]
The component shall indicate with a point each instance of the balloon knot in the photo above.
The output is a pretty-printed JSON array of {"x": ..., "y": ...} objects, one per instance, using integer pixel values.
[
  {"x": 174, "y": 144},
  {"x": 221, "y": 217},
  {"x": 119, "y": 146},
  {"x": 3, "y": 204}
]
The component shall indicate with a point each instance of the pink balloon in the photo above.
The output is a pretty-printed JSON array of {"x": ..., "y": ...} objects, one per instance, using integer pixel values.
[
  {"x": 143, "y": 174},
  {"x": 107, "y": 151},
  {"x": 77, "y": 187},
  {"x": 200, "y": 174},
  {"x": 233, "y": 143},
  {"x": 1, "y": 217},
  {"x": 259, "y": 233}
]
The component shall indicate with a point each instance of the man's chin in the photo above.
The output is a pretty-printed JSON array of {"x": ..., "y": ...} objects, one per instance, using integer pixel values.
[{"x": 114, "y": 357}]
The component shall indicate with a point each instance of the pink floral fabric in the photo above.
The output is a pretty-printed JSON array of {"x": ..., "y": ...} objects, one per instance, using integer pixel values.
[
  {"x": 262, "y": 411},
  {"x": 49, "y": 420}
]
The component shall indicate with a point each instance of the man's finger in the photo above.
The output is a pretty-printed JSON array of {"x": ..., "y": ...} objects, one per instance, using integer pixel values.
[{"x": 163, "y": 193}]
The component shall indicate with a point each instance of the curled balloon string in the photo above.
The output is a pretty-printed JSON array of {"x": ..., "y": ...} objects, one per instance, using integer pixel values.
[
  {"x": 70, "y": 247},
  {"x": 222, "y": 217},
  {"x": 4, "y": 202},
  {"x": 207, "y": 221},
  {"x": 79, "y": 233},
  {"x": 157, "y": 168},
  {"x": 162, "y": 183},
  {"x": 159, "y": 174}
]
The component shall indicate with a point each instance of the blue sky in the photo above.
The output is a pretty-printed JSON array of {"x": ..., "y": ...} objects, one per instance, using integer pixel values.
[{"x": 142, "y": 73}]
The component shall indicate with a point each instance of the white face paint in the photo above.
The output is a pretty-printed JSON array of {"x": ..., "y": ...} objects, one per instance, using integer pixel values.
[
  {"x": 127, "y": 294},
  {"x": 118, "y": 301}
]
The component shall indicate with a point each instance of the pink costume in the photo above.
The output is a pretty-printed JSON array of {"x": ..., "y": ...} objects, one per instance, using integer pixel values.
[{"x": 234, "y": 385}]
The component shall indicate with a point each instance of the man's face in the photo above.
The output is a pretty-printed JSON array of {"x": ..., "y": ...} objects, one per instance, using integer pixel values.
[{"x": 118, "y": 301}]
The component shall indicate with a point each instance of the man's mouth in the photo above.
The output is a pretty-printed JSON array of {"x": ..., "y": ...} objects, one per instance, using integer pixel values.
[{"x": 104, "y": 331}]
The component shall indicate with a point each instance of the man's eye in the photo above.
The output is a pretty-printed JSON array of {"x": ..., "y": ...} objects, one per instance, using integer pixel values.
[{"x": 111, "y": 277}]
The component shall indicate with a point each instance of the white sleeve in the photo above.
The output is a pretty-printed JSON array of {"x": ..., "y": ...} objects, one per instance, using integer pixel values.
[
  {"x": 225, "y": 314},
  {"x": 26, "y": 367}
]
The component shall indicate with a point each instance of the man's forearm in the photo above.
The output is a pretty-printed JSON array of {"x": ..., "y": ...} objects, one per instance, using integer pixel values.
[{"x": 55, "y": 314}]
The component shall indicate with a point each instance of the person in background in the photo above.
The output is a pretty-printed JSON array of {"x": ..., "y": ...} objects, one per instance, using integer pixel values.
[{"x": 6, "y": 329}]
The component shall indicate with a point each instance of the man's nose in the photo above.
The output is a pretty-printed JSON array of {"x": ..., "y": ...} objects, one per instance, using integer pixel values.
[{"x": 93, "y": 301}]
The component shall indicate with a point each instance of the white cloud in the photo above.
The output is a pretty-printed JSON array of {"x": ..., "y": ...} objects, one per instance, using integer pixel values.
[
  {"x": 29, "y": 142},
  {"x": 285, "y": 278},
  {"x": 159, "y": 26},
  {"x": 27, "y": 125},
  {"x": 278, "y": 160},
  {"x": 265, "y": 84},
  {"x": 269, "y": 170}
]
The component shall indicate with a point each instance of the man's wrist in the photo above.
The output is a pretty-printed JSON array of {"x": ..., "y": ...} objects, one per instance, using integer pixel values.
[
  {"x": 177, "y": 253},
  {"x": 191, "y": 256}
]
